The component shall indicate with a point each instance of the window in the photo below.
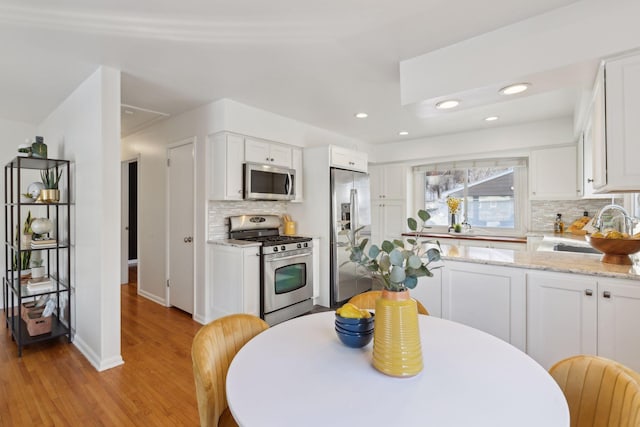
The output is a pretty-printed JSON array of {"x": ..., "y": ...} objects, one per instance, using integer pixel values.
[{"x": 492, "y": 193}]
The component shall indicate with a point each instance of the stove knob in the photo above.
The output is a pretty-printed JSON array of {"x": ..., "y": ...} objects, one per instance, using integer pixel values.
[
  {"x": 306, "y": 245},
  {"x": 275, "y": 249},
  {"x": 299, "y": 245},
  {"x": 283, "y": 247}
]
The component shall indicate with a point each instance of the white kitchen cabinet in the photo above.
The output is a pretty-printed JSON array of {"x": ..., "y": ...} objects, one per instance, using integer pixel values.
[
  {"x": 296, "y": 164},
  {"x": 225, "y": 155},
  {"x": 487, "y": 297},
  {"x": 388, "y": 220},
  {"x": 618, "y": 320},
  {"x": 561, "y": 316},
  {"x": 615, "y": 127},
  {"x": 586, "y": 164},
  {"x": 571, "y": 314},
  {"x": 259, "y": 151},
  {"x": 553, "y": 174},
  {"x": 515, "y": 246},
  {"x": 389, "y": 182},
  {"x": 235, "y": 280},
  {"x": 344, "y": 158},
  {"x": 429, "y": 292}
]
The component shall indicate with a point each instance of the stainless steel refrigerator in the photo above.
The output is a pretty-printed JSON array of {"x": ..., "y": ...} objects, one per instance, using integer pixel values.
[{"x": 350, "y": 210}]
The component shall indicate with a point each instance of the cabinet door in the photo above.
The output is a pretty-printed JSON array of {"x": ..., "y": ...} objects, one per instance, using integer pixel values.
[
  {"x": 296, "y": 164},
  {"x": 429, "y": 292},
  {"x": 553, "y": 173},
  {"x": 251, "y": 281},
  {"x": 375, "y": 179},
  {"x": 226, "y": 155},
  {"x": 394, "y": 182},
  {"x": 597, "y": 137},
  {"x": 622, "y": 98},
  {"x": 586, "y": 168},
  {"x": 618, "y": 320},
  {"x": 488, "y": 298},
  {"x": 393, "y": 219},
  {"x": 256, "y": 151},
  {"x": 561, "y": 316},
  {"x": 279, "y": 155}
]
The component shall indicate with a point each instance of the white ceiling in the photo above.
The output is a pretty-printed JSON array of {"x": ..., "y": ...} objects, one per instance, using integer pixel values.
[{"x": 315, "y": 61}]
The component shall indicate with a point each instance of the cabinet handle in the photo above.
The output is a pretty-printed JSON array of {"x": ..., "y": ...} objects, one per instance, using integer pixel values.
[
  {"x": 271, "y": 159},
  {"x": 185, "y": 240},
  {"x": 589, "y": 180},
  {"x": 606, "y": 294},
  {"x": 533, "y": 192},
  {"x": 239, "y": 191},
  {"x": 588, "y": 292}
]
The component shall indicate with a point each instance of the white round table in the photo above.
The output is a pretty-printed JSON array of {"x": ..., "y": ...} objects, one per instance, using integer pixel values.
[{"x": 298, "y": 373}]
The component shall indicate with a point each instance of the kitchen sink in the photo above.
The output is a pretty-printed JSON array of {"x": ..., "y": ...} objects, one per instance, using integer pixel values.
[{"x": 563, "y": 247}]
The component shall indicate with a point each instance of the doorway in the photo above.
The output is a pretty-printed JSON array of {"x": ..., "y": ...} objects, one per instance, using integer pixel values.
[
  {"x": 129, "y": 218},
  {"x": 180, "y": 246}
]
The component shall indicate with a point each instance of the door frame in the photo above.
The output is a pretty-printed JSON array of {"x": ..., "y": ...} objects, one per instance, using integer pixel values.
[
  {"x": 187, "y": 141},
  {"x": 124, "y": 202}
]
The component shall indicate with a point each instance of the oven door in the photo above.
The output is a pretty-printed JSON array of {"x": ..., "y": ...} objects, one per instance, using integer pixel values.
[{"x": 288, "y": 279}]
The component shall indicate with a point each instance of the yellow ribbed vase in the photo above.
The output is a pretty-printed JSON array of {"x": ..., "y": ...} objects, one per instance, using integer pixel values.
[{"x": 396, "y": 336}]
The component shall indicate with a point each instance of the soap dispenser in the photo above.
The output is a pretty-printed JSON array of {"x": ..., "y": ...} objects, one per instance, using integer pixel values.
[{"x": 558, "y": 225}]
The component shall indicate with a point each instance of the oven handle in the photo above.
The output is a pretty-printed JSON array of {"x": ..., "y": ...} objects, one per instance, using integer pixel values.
[{"x": 288, "y": 257}]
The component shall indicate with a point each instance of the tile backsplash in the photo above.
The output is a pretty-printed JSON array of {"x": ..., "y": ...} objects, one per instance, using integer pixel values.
[
  {"x": 218, "y": 213},
  {"x": 543, "y": 212}
]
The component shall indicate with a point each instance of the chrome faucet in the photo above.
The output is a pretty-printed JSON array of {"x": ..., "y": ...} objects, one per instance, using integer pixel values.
[{"x": 629, "y": 222}]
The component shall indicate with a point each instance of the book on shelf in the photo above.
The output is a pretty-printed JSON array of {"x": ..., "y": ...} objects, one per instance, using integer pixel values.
[
  {"x": 41, "y": 284},
  {"x": 43, "y": 243}
]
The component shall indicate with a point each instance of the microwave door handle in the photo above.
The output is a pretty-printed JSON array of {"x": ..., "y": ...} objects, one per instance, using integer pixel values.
[{"x": 287, "y": 184}]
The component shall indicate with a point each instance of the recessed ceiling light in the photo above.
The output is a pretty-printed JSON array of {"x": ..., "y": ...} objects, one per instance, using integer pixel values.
[
  {"x": 362, "y": 115},
  {"x": 403, "y": 133},
  {"x": 449, "y": 103},
  {"x": 515, "y": 88},
  {"x": 491, "y": 118}
]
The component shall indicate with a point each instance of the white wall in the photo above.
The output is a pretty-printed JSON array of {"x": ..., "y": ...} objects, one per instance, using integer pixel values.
[
  {"x": 151, "y": 144},
  {"x": 85, "y": 129},
  {"x": 507, "y": 140},
  {"x": 12, "y": 134}
]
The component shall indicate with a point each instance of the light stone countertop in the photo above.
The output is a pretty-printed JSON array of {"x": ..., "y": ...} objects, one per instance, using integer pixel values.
[
  {"x": 233, "y": 242},
  {"x": 564, "y": 262}
]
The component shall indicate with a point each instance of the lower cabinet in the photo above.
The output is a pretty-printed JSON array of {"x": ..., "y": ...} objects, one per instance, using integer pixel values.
[
  {"x": 429, "y": 292},
  {"x": 570, "y": 314},
  {"x": 487, "y": 297},
  {"x": 234, "y": 280}
]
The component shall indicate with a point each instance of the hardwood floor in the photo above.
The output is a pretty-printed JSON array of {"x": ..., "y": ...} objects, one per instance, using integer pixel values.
[{"x": 54, "y": 385}]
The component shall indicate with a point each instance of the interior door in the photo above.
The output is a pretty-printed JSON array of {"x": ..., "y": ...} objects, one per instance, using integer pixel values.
[{"x": 180, "y": 247}]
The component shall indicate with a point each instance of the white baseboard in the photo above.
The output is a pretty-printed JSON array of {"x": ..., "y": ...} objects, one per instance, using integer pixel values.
[
  {"x": 92, "y": 357},
  {"x": 200, "y": 319},
  {"x": 152, "y": 297}
]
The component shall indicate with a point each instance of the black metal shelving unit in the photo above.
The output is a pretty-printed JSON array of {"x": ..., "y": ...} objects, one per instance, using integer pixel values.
[{"x": 57, "y": 256}]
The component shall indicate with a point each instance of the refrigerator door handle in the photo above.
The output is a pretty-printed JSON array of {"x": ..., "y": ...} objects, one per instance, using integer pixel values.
[{"x": 353, "y": 212}]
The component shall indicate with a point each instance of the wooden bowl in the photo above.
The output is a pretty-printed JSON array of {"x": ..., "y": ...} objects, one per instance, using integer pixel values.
[{"x": 616, "y": 251}]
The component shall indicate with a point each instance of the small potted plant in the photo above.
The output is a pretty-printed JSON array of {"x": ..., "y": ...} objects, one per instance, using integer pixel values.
[
  {"x": 397, "y": 267},
  {"x": 50, "y": 180}
]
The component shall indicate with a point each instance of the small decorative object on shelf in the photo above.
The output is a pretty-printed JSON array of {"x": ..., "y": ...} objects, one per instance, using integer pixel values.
[
  {"x": 41, "y": 267},
  {"x": 396, "y": 267},
  {"x": 50, "y": 193},
  {"x": 39, "y": 148}
]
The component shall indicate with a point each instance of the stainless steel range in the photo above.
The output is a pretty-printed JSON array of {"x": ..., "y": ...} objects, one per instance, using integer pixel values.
[{"x": 286, "y": 267}]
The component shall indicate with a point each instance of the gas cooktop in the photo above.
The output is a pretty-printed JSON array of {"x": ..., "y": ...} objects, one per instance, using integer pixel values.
[{"x": 277, "y": 240}]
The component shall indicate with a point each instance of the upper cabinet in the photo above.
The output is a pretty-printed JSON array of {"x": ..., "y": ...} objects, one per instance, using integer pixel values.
[
  {"x": 348, "y": 159},
  {"x": 389, "y": 182},
  {"x": 259, "y": 151},
  {"x": 226, "y": 154},
  {"x": 613, "y": 127},
  {"x": 553, "y": 174}
]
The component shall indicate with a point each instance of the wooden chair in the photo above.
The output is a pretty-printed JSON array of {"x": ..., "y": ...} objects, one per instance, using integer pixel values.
[
  {"x": 599, "y": 391},
  {"x": 212, "y": 351},
  {"x": 368, "y": 300}
]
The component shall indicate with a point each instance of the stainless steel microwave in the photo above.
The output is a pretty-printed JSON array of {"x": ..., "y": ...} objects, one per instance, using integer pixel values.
[{"x": 266, "y": 182}]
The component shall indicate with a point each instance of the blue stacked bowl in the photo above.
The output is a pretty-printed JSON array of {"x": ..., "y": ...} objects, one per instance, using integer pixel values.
[{"x": 355, "y": 332}]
